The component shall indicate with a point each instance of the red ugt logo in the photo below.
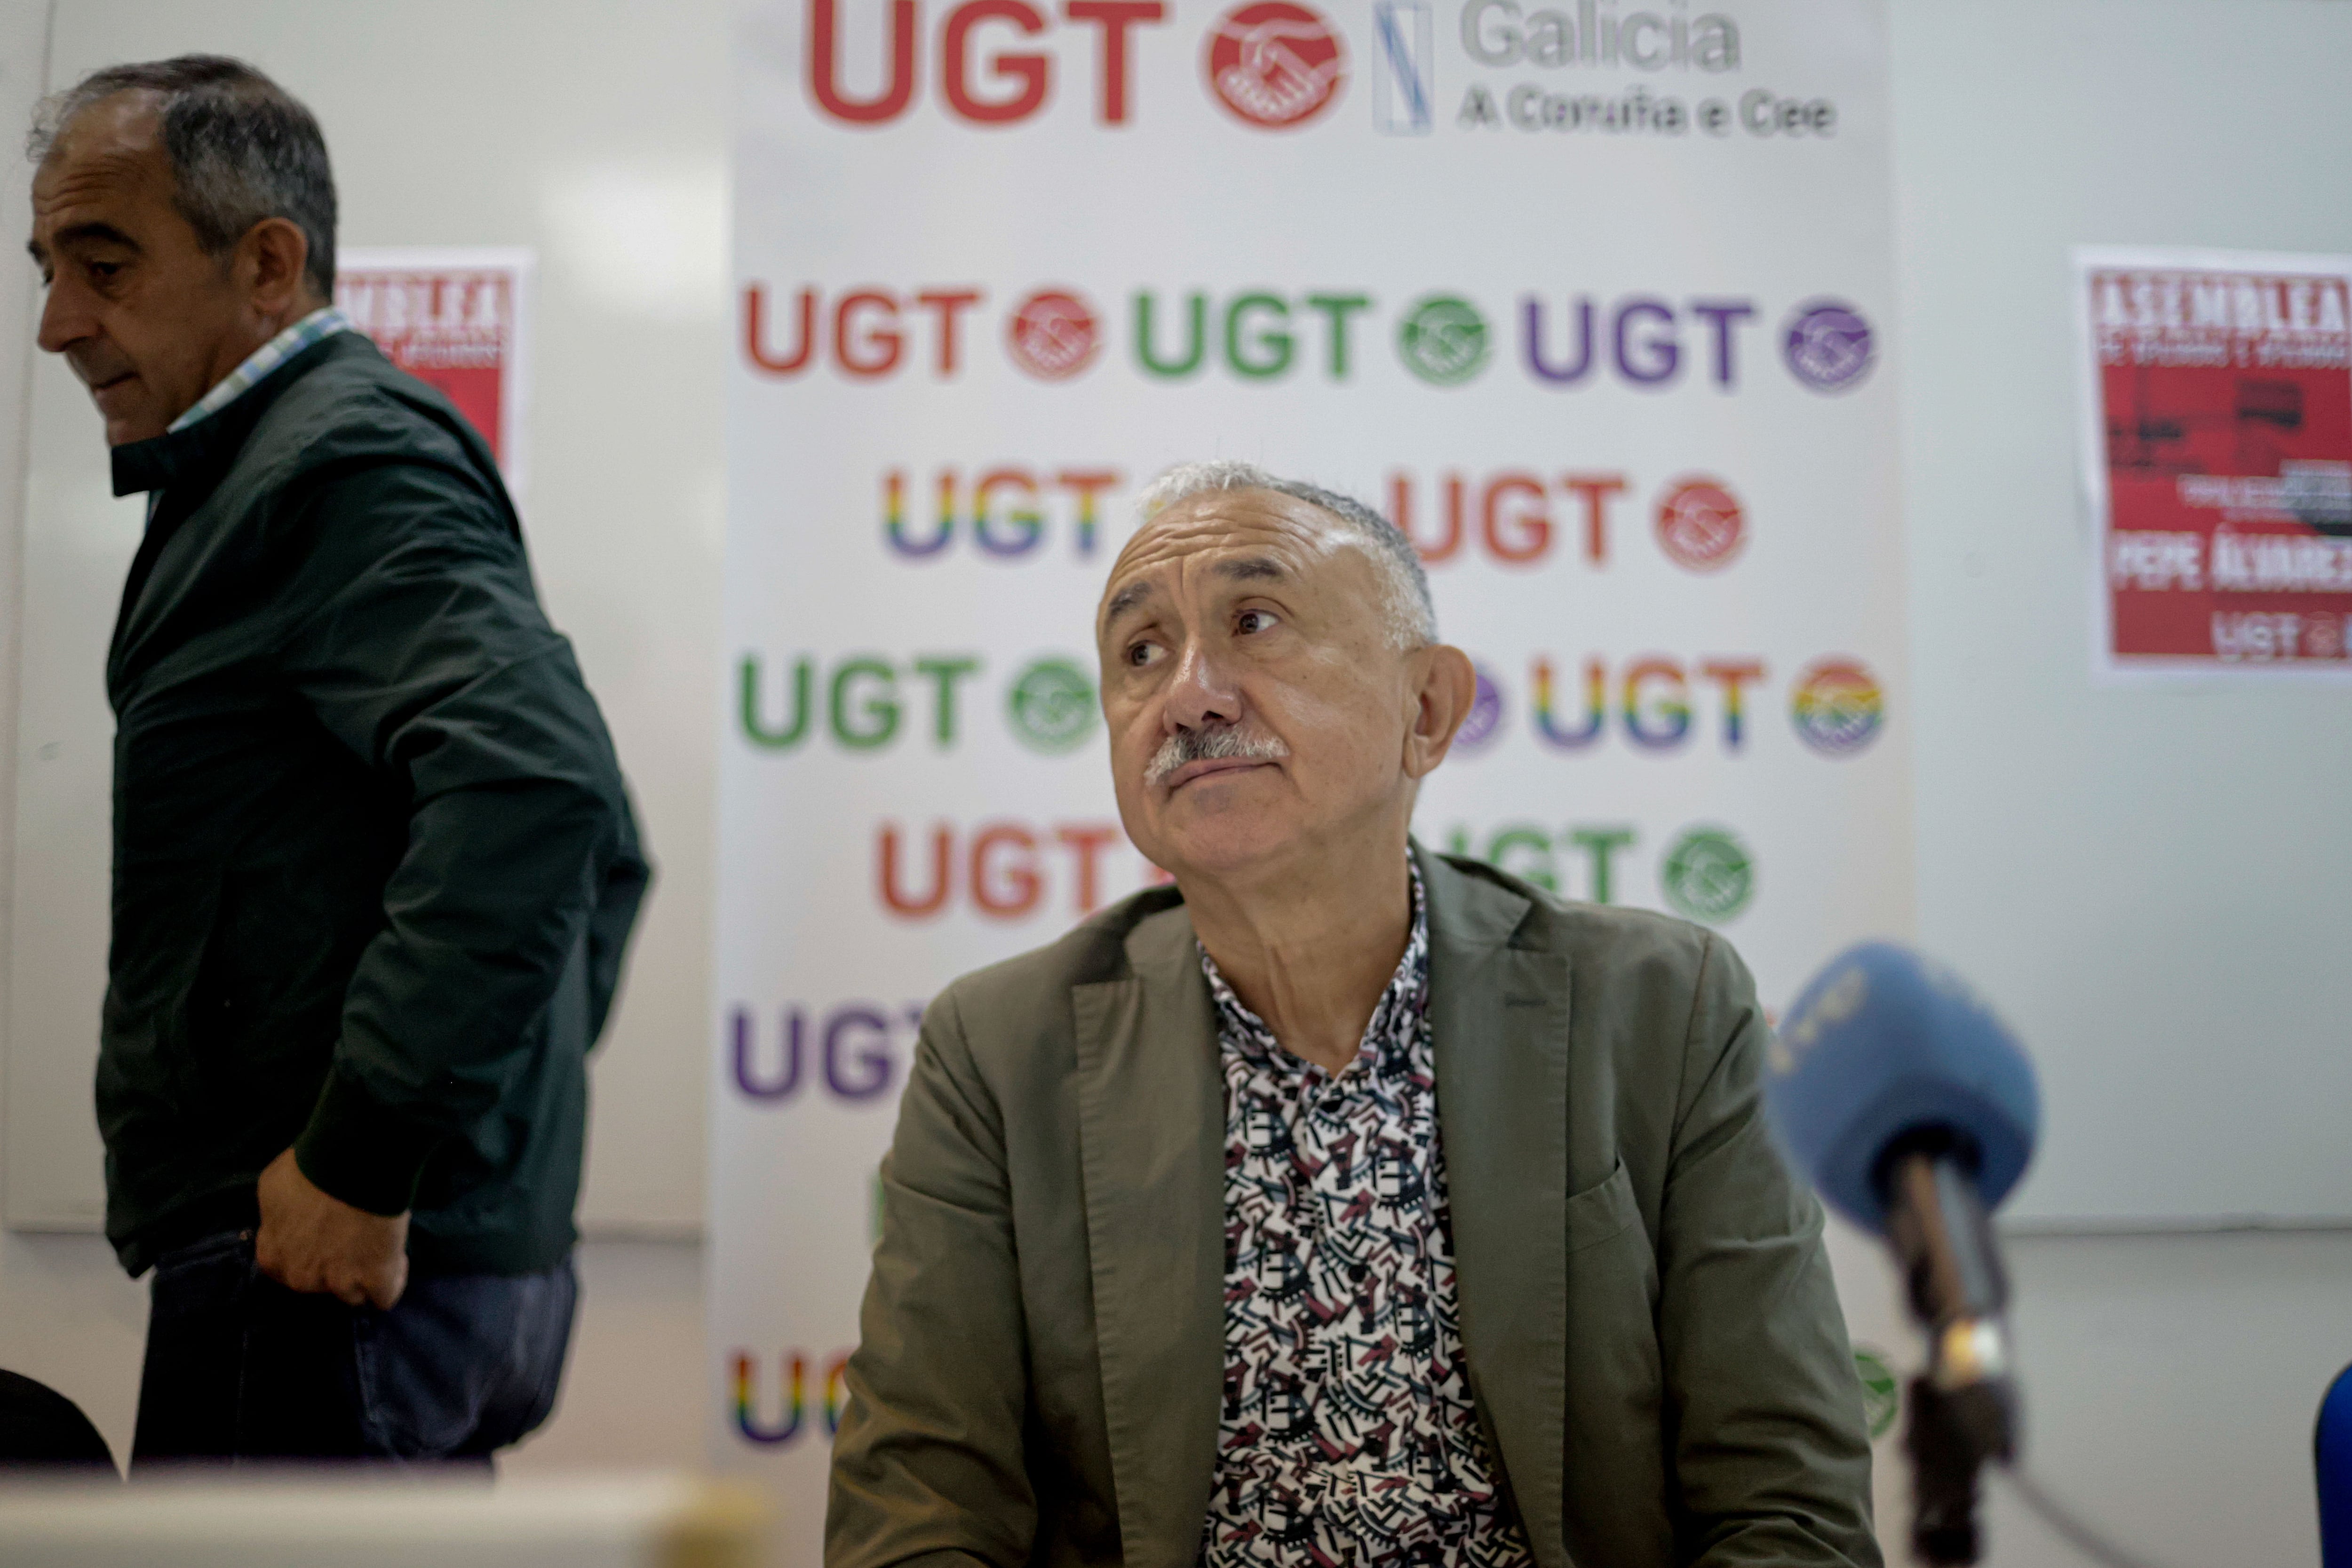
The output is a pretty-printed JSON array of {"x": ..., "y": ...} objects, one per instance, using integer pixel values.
[
  {"x": 1053, "y": 335},
  {"x": 1275, "y": 64},
  {"x": 983, "y": 82}
]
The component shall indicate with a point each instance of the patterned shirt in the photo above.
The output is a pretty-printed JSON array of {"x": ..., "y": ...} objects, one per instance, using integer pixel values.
[
  {"x": 1348, "y": 1432},
  {"x": 323, "y": 323}
]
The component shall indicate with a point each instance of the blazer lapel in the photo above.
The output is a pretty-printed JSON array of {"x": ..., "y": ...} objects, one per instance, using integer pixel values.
[
  {"x": 1499, "y": 1024},
  {"x": 1151, "y": 1135}
]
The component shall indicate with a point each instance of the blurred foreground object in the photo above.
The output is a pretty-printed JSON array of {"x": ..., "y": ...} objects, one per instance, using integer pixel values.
[
  {"x": 1898, "y": 1094},
  {"x": 2331, "y": 1448},
  {"x": 591, "y": 1521},
  {"x": 42, "y": 1429},
  {"x": 1914, "y": 1110}
]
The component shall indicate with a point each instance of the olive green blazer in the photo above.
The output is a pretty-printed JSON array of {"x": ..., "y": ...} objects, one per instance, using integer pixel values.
[{"x": 1653, "y": 1344}]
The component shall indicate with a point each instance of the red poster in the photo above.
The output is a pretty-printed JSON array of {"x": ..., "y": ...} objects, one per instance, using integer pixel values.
[
  {"x": 455, "y": 319},
  {"x": 2221, "y": 458}
]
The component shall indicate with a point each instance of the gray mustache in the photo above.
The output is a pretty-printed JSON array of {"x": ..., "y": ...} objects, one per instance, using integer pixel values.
[{"x": 1210, "y": 745}]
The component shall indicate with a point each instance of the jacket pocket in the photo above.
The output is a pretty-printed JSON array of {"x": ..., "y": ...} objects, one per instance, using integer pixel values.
[
  {"x": 155, "y": 1026},
  {"x": 1602, "y": 1212}
]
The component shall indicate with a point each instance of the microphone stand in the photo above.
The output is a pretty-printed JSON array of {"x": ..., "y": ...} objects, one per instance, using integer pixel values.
[{"x": 1964, "y": 1408}]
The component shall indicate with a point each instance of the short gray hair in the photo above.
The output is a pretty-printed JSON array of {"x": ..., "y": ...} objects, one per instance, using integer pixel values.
[
  {"x": 1404, "y": 587},
  {"x": 242, "y": 148}
]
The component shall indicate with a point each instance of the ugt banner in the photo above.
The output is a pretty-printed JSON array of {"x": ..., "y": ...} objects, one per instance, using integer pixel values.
[{"x": 1591, "y": 298}]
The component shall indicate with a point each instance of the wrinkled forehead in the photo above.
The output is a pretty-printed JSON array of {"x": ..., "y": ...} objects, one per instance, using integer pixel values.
[
  {"x": 127, "y": 124},
  {"x": 111, "y": 147},
  {"x": 1231, "y": 535}
]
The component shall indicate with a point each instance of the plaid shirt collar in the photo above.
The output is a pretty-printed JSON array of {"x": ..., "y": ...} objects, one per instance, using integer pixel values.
[{"x": 318, "y": 324}]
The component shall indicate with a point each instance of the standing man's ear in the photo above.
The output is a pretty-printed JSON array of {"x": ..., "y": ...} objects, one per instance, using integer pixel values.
[
  {"x": 1445, "y": 686},
  {"x": 270, "y": 265}
]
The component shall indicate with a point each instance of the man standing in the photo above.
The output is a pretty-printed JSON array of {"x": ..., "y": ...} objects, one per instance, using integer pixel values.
[
  {"x": 1344, "y": 1204},
  {"x": 374, "y": 865}
]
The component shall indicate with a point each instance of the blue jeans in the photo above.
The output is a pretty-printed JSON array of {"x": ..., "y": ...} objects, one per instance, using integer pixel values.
[{"x": 240, "y": 1368}]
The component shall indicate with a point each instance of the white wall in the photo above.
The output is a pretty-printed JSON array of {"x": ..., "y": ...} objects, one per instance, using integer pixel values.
[
  {"x": 593, "y": 132},
  {"x": 2151, "y": 882},
  {"x": 2171, "y": 1379},
  {"x": 2133, "y": 875},
  {"x": 67, "y": 1314}
]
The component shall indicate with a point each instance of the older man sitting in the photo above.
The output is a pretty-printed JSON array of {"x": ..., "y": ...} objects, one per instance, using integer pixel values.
[{"x": 1344, "y": 1202}]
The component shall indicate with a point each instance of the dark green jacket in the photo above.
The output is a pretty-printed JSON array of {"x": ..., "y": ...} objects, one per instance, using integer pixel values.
[
  {"x": 374, "y": 860},
  {"x": 1653, "y": 1344}
]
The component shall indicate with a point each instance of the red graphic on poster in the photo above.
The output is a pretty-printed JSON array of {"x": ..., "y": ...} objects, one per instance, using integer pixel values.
[
  {"x": 1700, "y": 525},
  {"x": 454, "y": 324},
  {"x": 1054, "y": 335},
  {"x": 2225, "y": 407},
  {"x": 1275, "y": 64}
]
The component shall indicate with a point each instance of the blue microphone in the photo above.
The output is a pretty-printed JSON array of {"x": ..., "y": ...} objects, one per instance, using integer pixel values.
[
  {"x": 2331, "y": 1448},
  {"x": 1886, "y": 1046},
  {"x": 1913, "y": 1111}
]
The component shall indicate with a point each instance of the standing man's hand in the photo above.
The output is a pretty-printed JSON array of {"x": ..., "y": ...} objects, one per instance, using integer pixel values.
[{"x": 309, "y": 1241}]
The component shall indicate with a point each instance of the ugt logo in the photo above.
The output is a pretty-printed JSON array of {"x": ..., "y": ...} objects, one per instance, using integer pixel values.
[
  {"x": 792, "y": 1417},
  {"x": 1274, "y": 64},
  {"x": 857, "y": 1050},
  {"x": 1001, "y": 89}
]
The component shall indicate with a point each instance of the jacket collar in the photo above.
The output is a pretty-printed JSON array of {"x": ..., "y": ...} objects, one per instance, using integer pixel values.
[
  {"x": 198, "y": 457},
  {"x": 1151, "y": 1152},
  {"x": 186, "y": 467}
]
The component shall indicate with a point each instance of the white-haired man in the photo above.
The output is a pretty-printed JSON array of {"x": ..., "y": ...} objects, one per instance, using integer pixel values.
[{"x": 1345, "y": 1203}]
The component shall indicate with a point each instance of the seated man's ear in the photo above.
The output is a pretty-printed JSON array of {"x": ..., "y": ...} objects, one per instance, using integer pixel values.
[{"x": 1444, "y": 687}]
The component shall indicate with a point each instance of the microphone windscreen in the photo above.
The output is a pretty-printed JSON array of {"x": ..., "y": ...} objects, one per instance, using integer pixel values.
[
  {"x": 1885, "y": 1045},
  {"x": 2332, "y": 1449}
]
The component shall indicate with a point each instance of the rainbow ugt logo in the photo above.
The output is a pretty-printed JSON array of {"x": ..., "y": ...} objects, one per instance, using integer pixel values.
[
  {"x": 793, "y": 1374},
  {"x": 1838, "y": 708}
]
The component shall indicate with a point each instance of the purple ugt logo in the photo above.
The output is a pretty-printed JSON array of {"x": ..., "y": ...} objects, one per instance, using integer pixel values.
[
  {"x": 1829, "y": 346},
  {"x": 1485, "y": 717}
]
